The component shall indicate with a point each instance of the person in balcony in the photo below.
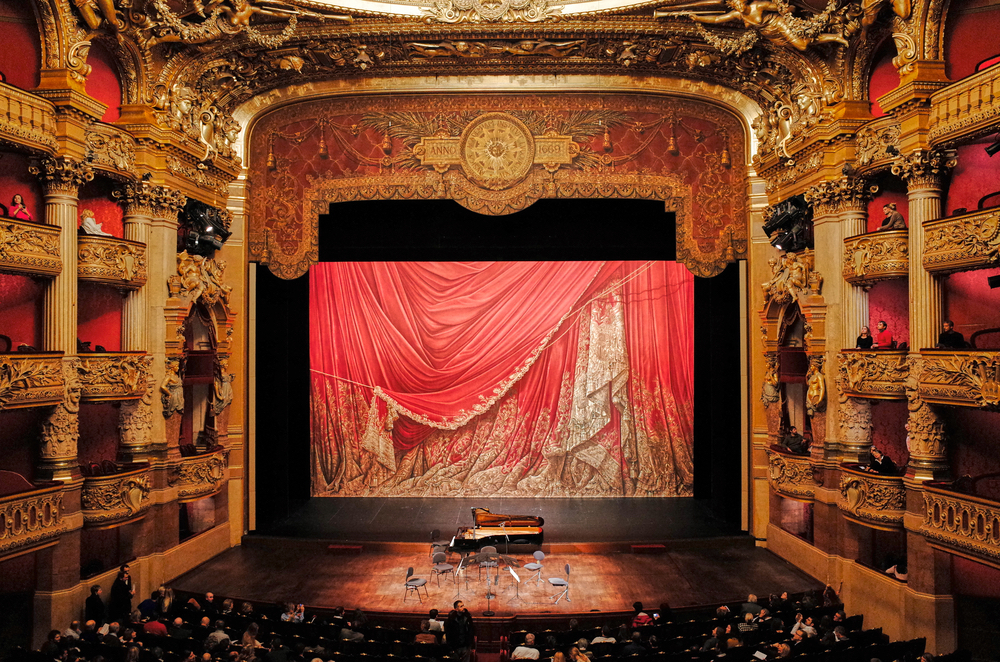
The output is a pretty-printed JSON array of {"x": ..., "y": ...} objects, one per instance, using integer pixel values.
[
  {"x": 893, "y": 219},
  {"x": 865, "y": 339},
  {"x": 795, "y": 442},
  {"x": 18, "y": 208},
  {"x": 950, "y": 338},
  {"x": 883, "y": 339},
  {"x": 881, "y": 463}
]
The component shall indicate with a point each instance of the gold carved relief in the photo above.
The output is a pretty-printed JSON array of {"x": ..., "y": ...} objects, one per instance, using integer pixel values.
[
  {"x": 112, "y": 261},
  {"x": 114, "y": 376},
  {"x": 868, "y": 374},
  {"x": 30, "y": 380},
  {"x": 958, "y": 243},
  {"x": 199, "y": 476},
  {"x": 965, "y": 378},
  {"x": 883, "y": 255},
  {"x": 791, "y": 475},
  {"x": 871, "y": 498},
  {"x": 30, "y": 519},
  {"x": 502, "y": 11},
  {"x": 962, "y": 522},
  {"x": 792, "y": 277},
  {"x": 29, "y": 248},
  {"x": 117, "y": 498}
]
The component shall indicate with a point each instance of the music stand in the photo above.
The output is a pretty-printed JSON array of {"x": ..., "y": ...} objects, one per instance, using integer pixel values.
[
  {"x": 517, "y": 585},
  {"x": 490, "y": 595}
]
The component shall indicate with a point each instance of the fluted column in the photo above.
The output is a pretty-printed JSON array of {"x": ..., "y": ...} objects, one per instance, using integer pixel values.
[
  {"x": 138, "y": 201},
  {"x": 61, "y": 181},
  {"x": 854, "y": 220},
  {"x": 923, "y": 172}
]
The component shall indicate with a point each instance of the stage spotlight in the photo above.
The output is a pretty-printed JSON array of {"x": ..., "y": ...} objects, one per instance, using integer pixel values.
[
  {"x": 993, "y": 281},
  {"x": 994, "y": 147},
  {"x": 788, "y": 224}
]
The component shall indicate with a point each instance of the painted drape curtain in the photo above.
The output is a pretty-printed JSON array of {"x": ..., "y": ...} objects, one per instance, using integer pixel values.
[{"x": 502, "y": 378}]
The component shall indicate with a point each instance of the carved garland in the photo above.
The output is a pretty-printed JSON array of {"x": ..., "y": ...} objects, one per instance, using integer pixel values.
[
  {"x": 115, "y": 498},
  {"x": 30, "y": 520},
  {"x": 874, "y": 374},
  {"x": 874, "y": 499},
  {"x": 199, "y": 476},
  {"x": 791, "y": 476}
]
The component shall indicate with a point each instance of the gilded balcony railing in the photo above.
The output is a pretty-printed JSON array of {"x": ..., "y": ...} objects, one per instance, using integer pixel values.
[
  {"x": 111, "y": 261},
  {"x": 110, "y": 148},
  {"x": 108, "y": 376},
  {"x": 200, "y": 475},
  {"x": 31, "y": 380},
  {"x": 29, "y": 248},
  {"x": 966, "y": 107},
  {"x": 869, "y": 258},
  {"x": 871, "y": 499},
  {"x": 117, "y": 498},
  {"x": 967, "y": 378},
  {"x": 30, "y": 519},
  {"x": 791, "y": 475},
  {"x": 26, "y": 119},
  {"x": 962, "y": 522},
  {"x": 879, "y": 374},
  {"x": 963, "y": 242}
]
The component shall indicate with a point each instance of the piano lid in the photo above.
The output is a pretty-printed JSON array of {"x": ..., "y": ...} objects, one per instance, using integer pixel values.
[{"x": 483, "y": 517}]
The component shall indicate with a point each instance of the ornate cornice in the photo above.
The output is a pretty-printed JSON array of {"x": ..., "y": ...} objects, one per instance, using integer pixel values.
[
  {"x": 30, "y": 380},
  {"x": 114, "y": 376},
  {"x": 61, "y": 175},
  {"x": 925, "y": 169}
]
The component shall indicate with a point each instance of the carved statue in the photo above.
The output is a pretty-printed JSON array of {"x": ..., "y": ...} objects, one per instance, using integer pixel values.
[
  {"x": 95, "y": 12},
  {"x": 769, "y": 389},
  {"x": 790, "y": 279},
  {"x": 871, "y": 8},
  {"x": 815, "y": 387},
  {"x": 172, "y": 389},
  {"x": 222, "y": 387}
]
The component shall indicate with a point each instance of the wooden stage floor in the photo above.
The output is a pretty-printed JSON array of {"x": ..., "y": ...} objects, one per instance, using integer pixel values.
[{"x": 603, "y": 577}]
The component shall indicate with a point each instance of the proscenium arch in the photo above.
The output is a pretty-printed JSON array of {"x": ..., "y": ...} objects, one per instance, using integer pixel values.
[{"x": 705, "y": 255}]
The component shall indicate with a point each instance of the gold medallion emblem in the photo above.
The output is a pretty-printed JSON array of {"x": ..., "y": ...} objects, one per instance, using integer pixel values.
[{"x": 497, "y": 151}]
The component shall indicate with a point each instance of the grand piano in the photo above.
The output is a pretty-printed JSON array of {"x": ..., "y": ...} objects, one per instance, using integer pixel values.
[{"x": 495, "y": 529}]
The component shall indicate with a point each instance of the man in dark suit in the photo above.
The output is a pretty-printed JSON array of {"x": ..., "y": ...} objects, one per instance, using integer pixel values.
[{"x": 94, "y": 607}]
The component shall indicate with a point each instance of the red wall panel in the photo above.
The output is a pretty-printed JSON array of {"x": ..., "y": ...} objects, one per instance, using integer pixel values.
[
  {"x": 972, "y": 34},
  {"x": 98, "y": 432},
  {"x": 888, "y": 301},
  {"x": 889, "y": 434},
  {"x": 21, "y": 55},
  {"x": 21, "y": 309},
  {"x": 100, "y": 316},
  {"x": 15, "y": 178},
  {"x": 977, "y": 174},
  {"x": 19, "y": 430},
  {"x": 972, "y": 305},
  {"x": 96, "y": 196},
  {"x": 884, "y": 77},
  {"x": 102, "y": 83}
]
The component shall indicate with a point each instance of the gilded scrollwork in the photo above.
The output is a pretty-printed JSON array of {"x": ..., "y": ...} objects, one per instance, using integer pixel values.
[
  {"x": 200, "y": 475},
  {"x": 878, "y": 256},
  {"x": 504, "y": 11},
  {"x": 61, "y": 430},
  {"x": 113, "y": 261},
  {"x": 967, "y": 523},
  {"x": 962, "y": 242},
  {"x": 199, "y": 278},
  {"x": 791, "y": 475},
  {"x": 926, "y": 440},
  {"x": 791, "y": 276},
  {"x": 114, "y": 376},
  {"x": 877, "y": 143},
  {"x": 135, "y": 421},
  {"x": 196, "y": 115},
  {"x": 879, "y": 374},
  {"x": 109, "y": 147},
  {"x": 115, "y": 498},
  {"x": 29, "y": 248},
  {"x": 872, "y": 498},
  {"x": 28, "y": 380},
  {"x": 963, "y": 377},
  {"x": 30, "y": 519},
  {"x": 844, "y": 194},
  {"x": 462, "y": 49},
  {"x": 924, "y": 168}
]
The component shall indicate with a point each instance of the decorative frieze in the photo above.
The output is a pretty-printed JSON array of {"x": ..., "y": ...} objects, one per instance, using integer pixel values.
[
  {"x": 967, "y": 378},
  {"x": 869, "y": 258},
  {"x": 925, "y": 168},
  {"x": 878, "y": 142},
  {"x": 114, "y": 375},
  {"x": 967, "y": 107},
  {"x": 964, "y": 523},
  {"x": 874, "y": 374},
  {"x": 30, "y": 380},
  {"x": 112, "y": 261},
  {"x": 29, "y": 248},
  {"x": 834, "y": 196},
  {"x": 963, "y": 242},
  {"x": 791, "y": 475},
  {"x": 872, "y": 499},
  {"x": 30, "y": 519},
  {"x": 110, "y": 148},
  {"x": 117, "y": 498},
  {"x": 199, "y": 476},
  {"x": 26, "y": 119}
]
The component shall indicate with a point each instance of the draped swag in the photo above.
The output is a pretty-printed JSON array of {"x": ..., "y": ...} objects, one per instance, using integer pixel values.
[{"x": 501, "y": 378}]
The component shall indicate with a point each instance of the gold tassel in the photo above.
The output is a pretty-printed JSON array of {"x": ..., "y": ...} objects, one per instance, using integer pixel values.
[
  {"x": 608, "y": 145},
  {"x": 271, "y": 161},
  {"x": 672, "y": 142},
  {"x": 386, "y": 143},
  {"x": 725, "y": 160},
  {"x": 324, "y": 152}
]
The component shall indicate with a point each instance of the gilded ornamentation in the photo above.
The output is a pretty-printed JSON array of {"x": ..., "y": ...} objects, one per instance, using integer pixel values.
[
  {"x": 855, "y": 425},
  {"x": 877, "y": 256},
  {"x": 30, "y": 380},
  {"x": 844, "y": 194},
  {"x": 925, "y": 168},
  {"x": 964, "y": 109},
  {"x": 496, "y": 150},
  {"x": 222, "y": 386},
  {"x": 907, "y": 52},
  {"x": 135, "y": 421},
  {"x": 967, "y": 523},
  {"x": 115, "y": 498},
  {"x": 791, "y": 475},
  {"x": 61, "y": 175},
  {"x": 110, "y": 147},
  {"x": 200, "y": 475},
  {"x": 967, "y": 241},
  {"x": 29, "y": 248},
  {"x": 790, "y": 278},
  {"x": 112, "y": 261},
  {"x": 30, "y": 519},
  {"x": 961, "y": 377},
  {"x": 27, "y": 119},
  {"x": 770, "y": 391},
  {"x": 877, "y": 143},
  {"x": 880, "y": 374},
  {"x": 501, "y": 11},
  {"x": 177, "y": 167},
  {"x": 925, "y": 440},
  {"x": 199, "y": 278},
  {"x": 872, "y": 498},
  {"x": 114, "y": 376},
  {"x": 172, "y": 388},
  {"x": 197, "y": 116},
  {"x": 96, "y": 13},
  {"x": 815, "y": 385},
  {"x": 460, "y": 49},
  {"x": 786, "y": 175},
  {"x": 61, "y": 431}
]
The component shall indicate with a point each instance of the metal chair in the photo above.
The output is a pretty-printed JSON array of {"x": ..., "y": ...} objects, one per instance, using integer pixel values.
[
  {"x": 559, "y": 582},
  {"x": 441, "y": 566},
  {"x": 414, "y": 584},
  {"x": 536, "y": 567},
  {"x": 438, "y": 545},
  {"x": 489, "y": 549}
]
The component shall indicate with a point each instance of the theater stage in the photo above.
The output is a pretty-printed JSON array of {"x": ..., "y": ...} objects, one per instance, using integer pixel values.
[{"x": 702, "y": 559}]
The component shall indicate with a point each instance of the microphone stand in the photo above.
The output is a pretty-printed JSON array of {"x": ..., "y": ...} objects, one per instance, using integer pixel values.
[{"x": 489, "y": 596}]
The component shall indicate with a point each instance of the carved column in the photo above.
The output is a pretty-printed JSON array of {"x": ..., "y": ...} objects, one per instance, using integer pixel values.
[
  {"x": 925, "y": 437},
  {"x": 139, "y": 201},
  {"x": 855, "y": 194},
  {"x": 61, "y": 180},
  {"x": 855, "y": 429},
  {"x": 923, "y": 171}
]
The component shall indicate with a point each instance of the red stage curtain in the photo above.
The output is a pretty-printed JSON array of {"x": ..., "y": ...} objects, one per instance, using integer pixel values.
[{"x": 518, "y": 378}]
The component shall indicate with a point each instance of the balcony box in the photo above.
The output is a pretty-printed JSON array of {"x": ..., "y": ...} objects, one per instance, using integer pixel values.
[
  {"x": 876, "y": 374},
  {"x": 114, "y": 376},
  {"x": 30, "y": 515},
  {"x": 111, "y": 261},
  {"x": 870, "y": 258},
  {"x": 199, "y": 476},
  {"x": 31, "y": 380},
  {"x": 790, "y": 475},
  {"x": 117, "y": 498},
  {"x": 963, "y": 377},
  {"x": 29, "y": 248},
  {"x": 873, "y": 500},
  {"x": 962, "y": 243},
  {"x": 963, "y": 524}
]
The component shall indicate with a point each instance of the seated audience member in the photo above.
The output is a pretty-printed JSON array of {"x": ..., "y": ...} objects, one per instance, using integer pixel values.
[
  {"x": 881, "y": 463},
  {"x": 208, "y": 604},
  {"x": 348, "y": 631},
  {"x": 249, "y": 638},
  {"x": 90, "y": 634},
  {"x": 227, "y": 607},
  {"x": 722, "y": 612},
  {"x": 436, "y": 625},
  {"x": 805, "y": 624},
  {"x": 634, "y": 646},
  {"x": 605, "y": 636},
  {"x": 883, "y": 337},
  {"x": 795, "y": 443},
  {"x": 218, "y": 641},
  {"x": 865, "y": 339},
  {"x": 150, "y": 606},
  {"x": 177, "y": 629},
  {"x": 751, "y": 606},
  {"x": 639, "y": 617},
  {"x": 202, "y": 630},
  {"x": 279, "y": 652},
  {"x": 950, "y": 338},
  {"x": 748, "y": 624},
  {"x": 581, "y": 643},
  {"x": 155, "y": 627},
  {"x": 425, "y": 636},
  {"x": 73, "y": 632},
  {"x": 779, "y": 602},
  {"x": 246, "y": 609},
  {"x": 558, "y": 656},
  {"x": 293, "y": 613},
  {"x": 527, "y": 650},
  {"x": 783, "y": 650},
  {"x": 898, "y": 571},
  {"x": 715, "y": 641},
  {"x": 835, "y": 636},
  {"x": 359, "y": 621},
  {"x": 111, "y": 637},
  {"x": 53, "y": 644},
  {"x": 576, "y": 656}
]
